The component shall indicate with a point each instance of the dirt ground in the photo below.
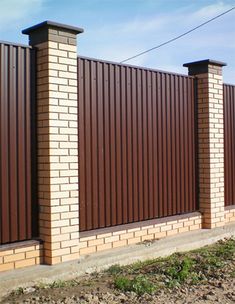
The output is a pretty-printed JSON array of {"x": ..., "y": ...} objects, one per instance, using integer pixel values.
[
  {"x": 203, "y": 276},
  {"x": 215, "y": 292}
]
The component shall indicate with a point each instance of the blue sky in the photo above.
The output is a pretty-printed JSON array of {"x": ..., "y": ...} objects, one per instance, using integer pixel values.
[{"x": 117, "y": 29}]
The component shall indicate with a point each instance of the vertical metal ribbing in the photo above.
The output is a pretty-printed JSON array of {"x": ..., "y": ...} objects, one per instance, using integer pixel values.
[
  {"x": 137, "y": 144},
  {"x": 17, "y": 217}
]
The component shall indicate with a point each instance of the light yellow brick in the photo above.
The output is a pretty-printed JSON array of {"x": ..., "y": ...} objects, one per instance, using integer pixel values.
[
  {"x": 104, "y": 235},
  {"x": 160, "y": 235},
  {"x": 147, "y": 237},
  {"x": 142, "y": 232},
  {"x": 133, "y": 240},
  {"x": 67, "y": 61},
  {"x": 14, "y": 257},
  {"x": 88, "y": 238},
  {"x": 32, "y": 254},
  {"x": 59, "y": 252},
  {"x": 69, "y": 215},
  {"x": 83, "y": 244},
  {"x": 66, "y": 47},
  {"x": 166, "y": 228},
  {"x": 127, "y": 236},
  {"x": 119, "y": 243},
  {"x": 52, "y": 260},
  {"x": 88, "y": 250},
  {"x": 104, "y": 247},
  {"x": 172, "y": 232},
  {"x": 112, "y": 239},
  {"x": 58, "y": 53},
  {"x": 7, "y": 266},
  {"x": 95, "y": 242},
  {"x": 70, "y": 257},
  {"x": 76, "y": 249},
  {"x": 70, "y": 243},
  {"x": 154, "y": 230},
  {"x": 184, "y": 229},
  {"x": 24, "y": 249}
]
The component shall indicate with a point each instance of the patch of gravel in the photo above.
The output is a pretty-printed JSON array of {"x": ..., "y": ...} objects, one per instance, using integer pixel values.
[{"x": 215, "y": 291}]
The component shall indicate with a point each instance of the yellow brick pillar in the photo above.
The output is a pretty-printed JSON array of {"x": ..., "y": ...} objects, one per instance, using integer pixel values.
[
  {"x": 210, "y": 140},
  {"x": 57, "y": 138}
]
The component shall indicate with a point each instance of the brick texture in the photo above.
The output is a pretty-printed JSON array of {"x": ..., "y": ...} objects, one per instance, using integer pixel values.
[
  {"x": 119, "y": 236},
  {"x": 210, "y": 142},
  {"x": 211, "y": 147},
  {"x": 57, "y": 144},
  {"x": 20, "y": 255},
  {"x": 230, "y": 214}
]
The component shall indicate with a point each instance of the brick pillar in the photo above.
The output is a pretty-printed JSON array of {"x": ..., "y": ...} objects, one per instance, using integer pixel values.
[
  {"x": 210, "y": 140},
  {"x": 57, "y": 141}
]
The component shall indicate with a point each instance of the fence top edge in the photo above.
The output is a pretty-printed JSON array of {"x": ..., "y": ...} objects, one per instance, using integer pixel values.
[
  {"x": 15, "y": 44},
  {"x": 229, "y": 84},
  {"x": 134, "y": 66}
]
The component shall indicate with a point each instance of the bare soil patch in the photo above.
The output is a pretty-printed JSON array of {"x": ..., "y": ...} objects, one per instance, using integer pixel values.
[{"x": 206, "y": 275}]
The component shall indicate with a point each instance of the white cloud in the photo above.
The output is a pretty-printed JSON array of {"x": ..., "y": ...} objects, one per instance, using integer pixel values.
[
  {"x": 13, "y": 12},
  {"x": 211, "y": 10}
]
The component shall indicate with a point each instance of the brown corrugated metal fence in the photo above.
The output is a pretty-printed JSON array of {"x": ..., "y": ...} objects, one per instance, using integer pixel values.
[
  {"x": 15, "y": 144},
  {"x": 136, "y": 144},
  {"x": 229, "y": 144}
]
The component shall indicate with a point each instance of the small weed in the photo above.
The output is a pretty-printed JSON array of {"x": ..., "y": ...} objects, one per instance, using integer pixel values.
[
  {"x": 57, "y": 284},
  {"x": 122, "y": 283},
  {"x": 140, "y": 284},
  {"x": 140, "y": 265},
  {"x": 213, "y": 262},
  {"x": 114, "y": 269},
  {"x": 89, "y": 283},
  {"x": 18, "y": 291},
  {"x": 42, "y": 285},
  {"x": 232, "y": 274},
  {"x": 61, "y": 284},
  {"x": 180, "y": 271},
  {"x": 226, "y": 249}
]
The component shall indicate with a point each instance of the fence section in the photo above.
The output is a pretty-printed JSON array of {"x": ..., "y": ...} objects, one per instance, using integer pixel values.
[
  {"x": 15, "y": 144},
  {"x": 229, "y": 143},
  {"x": 136, "y": 144}
]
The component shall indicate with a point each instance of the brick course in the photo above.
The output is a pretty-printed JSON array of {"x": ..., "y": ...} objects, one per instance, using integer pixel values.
[
  {"x": 119, "y": 236},
  {"x": 22, "y": 254}
]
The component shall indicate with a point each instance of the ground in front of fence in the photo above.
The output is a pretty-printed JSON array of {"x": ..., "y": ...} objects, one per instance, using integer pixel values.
[{"x": 204, "y": 275}]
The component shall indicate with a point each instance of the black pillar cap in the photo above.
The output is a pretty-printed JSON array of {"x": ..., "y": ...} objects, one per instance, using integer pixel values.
[
  {"x": 201, "y": 66},
  {"x": 55, "y": 25}
]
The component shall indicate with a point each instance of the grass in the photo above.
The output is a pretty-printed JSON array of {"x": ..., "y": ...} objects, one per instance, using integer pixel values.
[
  {"x": 61, "y": 284},
  {"x": 114, "y": 269},
  {"x": 139, "y": 284},
  {"x": 195, "y": 267},
  {"x": 19, "y": 291}
]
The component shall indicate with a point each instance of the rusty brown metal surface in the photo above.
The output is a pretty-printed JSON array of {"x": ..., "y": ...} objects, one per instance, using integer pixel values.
[
  {"x": 229, "y": 144},
  {"x": 15, "y": 144},
  {"x": 137, "y": 141}
]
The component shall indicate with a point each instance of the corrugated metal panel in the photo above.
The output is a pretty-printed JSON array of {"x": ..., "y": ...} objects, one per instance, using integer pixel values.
[
  {"x": 229, "y": 144},
  {"x": 136, "y": 144},
  {"x": 15, "y": 143}
]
